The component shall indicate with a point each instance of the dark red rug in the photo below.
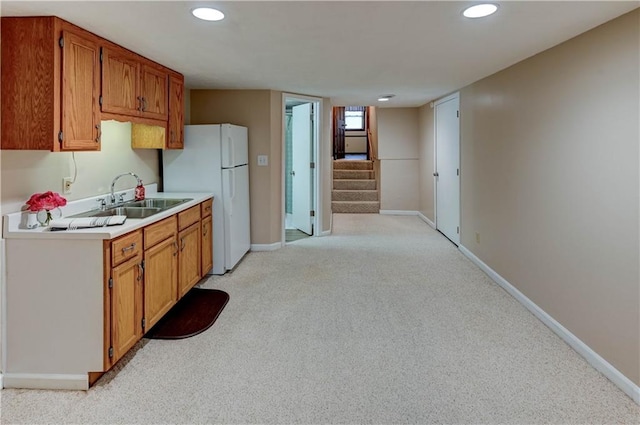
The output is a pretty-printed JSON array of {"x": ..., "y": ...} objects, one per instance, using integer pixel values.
[{"x": 193, "y": 314}]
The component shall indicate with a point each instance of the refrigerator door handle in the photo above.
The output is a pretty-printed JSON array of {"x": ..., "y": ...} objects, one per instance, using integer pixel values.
[
  {"x": 232, "y": 191},
  {"x": 231, "y": 155}
]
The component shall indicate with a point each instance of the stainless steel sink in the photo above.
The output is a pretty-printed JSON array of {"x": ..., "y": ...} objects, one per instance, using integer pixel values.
[
  {"x": 136, "y": 209},
  {"x": 156, "y": 203},
  {"x": 130, "y": 212}
]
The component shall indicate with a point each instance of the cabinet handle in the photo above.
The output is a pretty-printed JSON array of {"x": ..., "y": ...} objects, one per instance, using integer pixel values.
[
  {"x": 144, "y": 104},
  {"x": 208, "y": 208},
  {"x": 99, "y": 133},
  {"x": 204, "y": 231},
  {"x": 129, "y": 248},
  {"x": 140, "y": 106},
  {"x": 181, "y": 244},
  {"x": 141, "y": 272},
  {"x": 175, "y": 245}
]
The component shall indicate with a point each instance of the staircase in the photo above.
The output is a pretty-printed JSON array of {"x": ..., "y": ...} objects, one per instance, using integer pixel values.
[{"x": 354, "y": 187}]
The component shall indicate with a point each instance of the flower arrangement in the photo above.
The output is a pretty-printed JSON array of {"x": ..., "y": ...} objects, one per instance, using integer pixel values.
[{"x": 46, "y": 201}]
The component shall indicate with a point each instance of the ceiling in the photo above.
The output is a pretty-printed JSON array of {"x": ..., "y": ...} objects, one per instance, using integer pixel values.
[{"x": 352, "y": 52}]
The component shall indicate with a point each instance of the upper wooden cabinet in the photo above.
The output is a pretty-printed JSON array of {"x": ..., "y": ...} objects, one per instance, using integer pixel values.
[
  {"x": 58, "y": 81},
  {"x": 120, "y": 81},
  {"x": 50, "y": 85},
  {"x": 132, "y": 86},
  {"x": 175, "y": 133}
]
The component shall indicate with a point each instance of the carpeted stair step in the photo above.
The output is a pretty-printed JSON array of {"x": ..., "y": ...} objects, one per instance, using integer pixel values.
[
  {"x": 353, "y": 174},
  {"x": 356, "y": 207},
  {"x": 352, "y": 165},
  {"x": 354, "y": 195},
  {"x": 342, "y": 184}
]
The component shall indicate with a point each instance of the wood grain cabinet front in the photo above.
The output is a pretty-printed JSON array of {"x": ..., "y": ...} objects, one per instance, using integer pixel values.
[
  {"x": 50, "y": 85},
  {"x": 207, "y": 245},
  {"x": 189, "y": 258},
  {"x": 123, "y": 295},
  {"x": 175, "y": 127}
]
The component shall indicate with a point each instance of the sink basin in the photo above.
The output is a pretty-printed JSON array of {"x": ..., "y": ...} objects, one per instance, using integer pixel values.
[
  {"x": 130, "y": 212},
  {"x": 136, "y": 209},
  {"x": 156, "y": 203}
]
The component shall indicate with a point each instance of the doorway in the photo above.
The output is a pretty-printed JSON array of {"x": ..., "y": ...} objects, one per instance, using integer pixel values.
[
  {"x": 300, "y": 154},
  {"x": 447, "y": 166}
]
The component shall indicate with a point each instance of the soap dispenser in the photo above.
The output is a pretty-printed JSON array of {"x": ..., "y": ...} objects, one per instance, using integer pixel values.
[{"x": 139, "y": 191}]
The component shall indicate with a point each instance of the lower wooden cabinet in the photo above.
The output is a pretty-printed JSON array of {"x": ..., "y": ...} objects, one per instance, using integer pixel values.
[
  {"x": 160, "y": 280},
  {"x": 148, "y": 270},
  {"x": 207, "y": 245},
  {"x": 189, "y": 258},
  {"x": 126, "y": 307},
  {"x": 124, "y": 303}
]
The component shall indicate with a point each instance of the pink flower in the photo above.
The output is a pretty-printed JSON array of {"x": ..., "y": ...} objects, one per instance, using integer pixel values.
[{"x": 45, "y": 201}]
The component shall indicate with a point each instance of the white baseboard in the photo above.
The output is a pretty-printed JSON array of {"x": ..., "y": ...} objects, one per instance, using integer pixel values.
[
  {"x": 426, "y": 220},
  {"x": 593, "y": 358},
  {"x": 266, "y": 247},
  {"x": 398, "y": 212},
  {"x": 1, "y": 384},
  {"x": 325, "y": 233},
  {"x": 46, "y": 381}
]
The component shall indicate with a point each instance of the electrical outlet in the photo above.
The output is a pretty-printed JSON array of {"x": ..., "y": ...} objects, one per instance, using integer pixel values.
[
  {"x": 66, "y": 185},
  {"x": 263, "y": 160},
  {"x": 477, "y": 237}
]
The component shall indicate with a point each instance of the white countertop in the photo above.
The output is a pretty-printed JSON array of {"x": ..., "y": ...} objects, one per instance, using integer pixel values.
[{"x": 11, "y": 228}]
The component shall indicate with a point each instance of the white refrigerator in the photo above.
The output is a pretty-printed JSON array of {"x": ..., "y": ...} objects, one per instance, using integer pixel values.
[{"x": 215, "y": 159}]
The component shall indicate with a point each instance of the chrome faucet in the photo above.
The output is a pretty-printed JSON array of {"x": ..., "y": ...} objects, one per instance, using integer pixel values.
[{"x": 112, "y": 198}]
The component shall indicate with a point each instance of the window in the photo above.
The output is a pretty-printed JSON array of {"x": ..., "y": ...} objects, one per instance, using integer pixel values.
[{"x": 354, "y": 117}]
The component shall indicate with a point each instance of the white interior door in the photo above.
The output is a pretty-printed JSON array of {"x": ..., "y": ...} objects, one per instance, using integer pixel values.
[
  {"x": 301, "y": 128},
  {"x": 447, "y": 174}
]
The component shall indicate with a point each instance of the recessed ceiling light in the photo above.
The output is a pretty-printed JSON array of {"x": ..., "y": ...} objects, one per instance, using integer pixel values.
[
  {"x": 385, "y": 98},
  {"x": 208, "y": 14},
  {"x": 480, "y": 10}
]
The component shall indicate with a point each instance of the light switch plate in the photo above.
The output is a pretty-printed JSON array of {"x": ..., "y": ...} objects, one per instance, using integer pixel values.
[{"x": 263, "y": 160}]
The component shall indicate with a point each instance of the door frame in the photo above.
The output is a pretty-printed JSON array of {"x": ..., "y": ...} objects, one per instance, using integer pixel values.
[
  {"x": 315, "y": 150},
  {"x": 452, "y": 96}
]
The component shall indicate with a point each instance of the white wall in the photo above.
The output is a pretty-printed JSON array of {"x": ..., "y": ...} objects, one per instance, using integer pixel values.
[
  {"x": 27, "y": 172},
  {"x": 398, "y": 154}
]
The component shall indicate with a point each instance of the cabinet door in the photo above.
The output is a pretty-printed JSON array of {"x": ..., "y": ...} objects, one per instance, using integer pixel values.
[
  {"x": 120, "y": 76},
  {"x": 154, "y": 93},
  {"x": 160, "y": 280},
  {"x": 188, "y": 258},
  {"x": 126, "y": 306},
  {"x": 175, "y": 136},
  {"x": 207, "y": 245},
  {"x": 80, "y": 91}
]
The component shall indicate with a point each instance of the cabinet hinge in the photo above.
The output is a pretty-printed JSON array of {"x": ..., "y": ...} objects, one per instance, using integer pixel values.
[
  {"x": 142, "y": 264},
  {"x": 101, "y": 55},
  {"x": 60, "y": 137},
  {"x": 312, "y": 165},
  {"x": 144, "y": 323},
  {"x": 110, "y": 282},
  {"x": 61, "y": 41},
  {"x": 100, "y": 100},
  {"x": 110, "y": 352},
  {"x": 312, "y": 213},
  {"x": 458, "y": 230}
]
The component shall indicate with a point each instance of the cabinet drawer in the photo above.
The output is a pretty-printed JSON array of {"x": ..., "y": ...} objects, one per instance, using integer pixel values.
[
  {"x": 206, "y": 208},
  {"x": 159, "y": 231},
  {"x": 188, "y": 217},
  {"x": 126, "y": 247}
]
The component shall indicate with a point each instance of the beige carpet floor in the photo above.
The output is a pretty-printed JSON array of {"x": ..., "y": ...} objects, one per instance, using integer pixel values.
[{"x": 384, "y": 322}]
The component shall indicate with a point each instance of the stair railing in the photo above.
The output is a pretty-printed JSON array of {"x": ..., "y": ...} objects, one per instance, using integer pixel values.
[{"x": 373, "y": 155}]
